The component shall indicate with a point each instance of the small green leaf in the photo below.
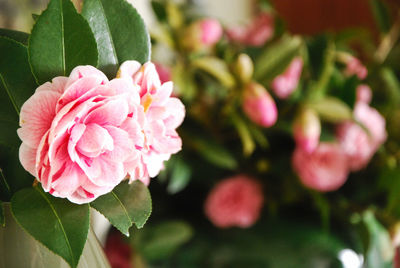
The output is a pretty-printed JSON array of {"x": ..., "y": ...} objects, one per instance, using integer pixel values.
[
  {"x": 381, "y": 14},
  {"x": 331, "y": 109},
  {"x": 159, "y": 10},
  {"x": 217, "y": 68},
  {"x": 125, "y": 205},
  {"x": 120, "y": 33},
  {"x": 275, "y": 58},
  {"x": 160, "y": 241},
  {"x": 2, "y": 220},
  {"x": 60, "y": 40},
  {"x": 244, "y": 134},
  {"x": 180, "y": 176},
  {"x": 55, "y": 222},
  {"x": 15, "y": 35}
]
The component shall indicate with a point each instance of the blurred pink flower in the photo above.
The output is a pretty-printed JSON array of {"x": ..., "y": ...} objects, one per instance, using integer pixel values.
[
  {"x": 363, "y": 94},
  {"x": 211, "y": 31},
  {"x": 307, "y": 130},
  {"x": 259, "y": 31},
  {"x": 259, "y": 106},
  {"x": 163, "y": 72},
  {"x": 360, "y": 144},
  {"x": 284, "y": 84},
  {"x": 236, "y": 201},
  {"x": 325, "y": 169},
  {"x": 118, "y": 252},
  {"x": 355, "y": 67},
  {"x": 162, "y": 115},
  {"x": 80, "y": 134}
]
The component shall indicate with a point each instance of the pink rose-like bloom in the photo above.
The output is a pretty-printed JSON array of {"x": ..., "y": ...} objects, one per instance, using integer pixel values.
[
  {"x": 325, "y": 169},
  {"x": 211, "y": 31},
  {"x": 363, "y": 94},
  {"x": 259, "y": 106},
  {"x": 79, "y": 134},
  {"x": 162, "y": 115},
  {"x": 236, "y": 201},
  {"x": 259, "y": 31},
  {"x": 307, "y": 130},
  {"x": 358, "y": 144},
  {"x": 355, "y": 67},
  {"x": 283, "y": 85}
]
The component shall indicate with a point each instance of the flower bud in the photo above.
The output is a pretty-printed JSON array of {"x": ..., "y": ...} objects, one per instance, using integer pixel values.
[
  {"x": 202, "y": 34},
  {"x": 363, "y": 94},
  {"x": 259, "y": 106},
  {"x": 307, "y": 130},
  {"x": 355, "y": 67},
  {"x": 244, "y": 68},
  {"x": 284, "y": 84}
]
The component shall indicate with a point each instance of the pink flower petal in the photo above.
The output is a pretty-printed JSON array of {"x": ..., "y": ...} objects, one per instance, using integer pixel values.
[
  {"x": 95, "y": 141},
  {"x": 113, "y": 113},
  {"x": 80, "y": 72},
  {"x": 27, "y": 156}
]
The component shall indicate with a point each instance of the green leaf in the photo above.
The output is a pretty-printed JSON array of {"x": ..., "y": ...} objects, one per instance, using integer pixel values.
[
  {"x": 55, "y": 222},
  {"x": 380, "y": 250},
  {"x": 125, "y": 205},
  {"x": 159, "y": 10},
  {"x": 217, "y": 68},
  {"x": 180, "y": 176},
  {"x": 276, "y": 58},
  {"x": 381, "y": 14},
  {"x": 16, "y": 80},
  {"x": 331, "y": 109},
  {"x": 2, "y": 220},
  {"x": 244, "y": 134},
  {"x": 120, "y": 33},
  {"x": 160, "y": 241},
  {"x": 60, "y": 40},
  {"x": 15, "y": 35}
]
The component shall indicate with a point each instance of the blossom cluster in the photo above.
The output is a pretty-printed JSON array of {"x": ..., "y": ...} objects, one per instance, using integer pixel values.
[{"x": 83, "y": 134}]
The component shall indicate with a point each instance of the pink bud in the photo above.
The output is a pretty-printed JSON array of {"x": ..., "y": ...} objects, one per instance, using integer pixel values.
[
  {"x": 259, "y": 106},
  {"x": 283, "y": 85},
  {"x": 236, "y": 201},
  {"x": 211, "y": 31},
  {"x": 307, "y": 130},
  {"x": 325, "y": 169},
  {"x": 364, "y": 94},
  {"x": 259, "y": 31},
  {"x": 355, "y": 67}
]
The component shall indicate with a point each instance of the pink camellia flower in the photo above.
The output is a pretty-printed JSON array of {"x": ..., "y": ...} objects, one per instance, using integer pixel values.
[
  {"x": 283, "y": 85},
  {"x": 307, "y": 130},
  {"x": 363, "y": 94},
  {"x": 325, "y": 169},
  {"x": 358, "y": 143},
  {"x": 355, "y": 67},
  {"x": 259, "y": 106},
  {"x": 79, "y": 134},
  {"x": 236, "y": 201},
  {"x": 211, "y": 31},
  {"x": 162, "y": 115},
  {"x": 259, "y": 31}
]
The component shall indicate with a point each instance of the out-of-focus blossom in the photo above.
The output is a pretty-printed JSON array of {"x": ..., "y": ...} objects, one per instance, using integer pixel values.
[
  {"x": 202, "y": 34},
  {"x": 259, "y": 106},
  {"x": 118, "y": 252},
  {"x": 162, "y": 115},
  {"x": 358, "y": 143},
  {"x": 307, "y": 130},
  {"x": 236, "y": 201},
  {"x": 81, "y": 134},
  {"x": 259, "y": 31},
  {"x": 284, "y": 84},
  {"x": 163, "y": 72},
  {"x": 325, "y": 169},
  {"x": 355, "y": 67},
  {"x": 244, "y": 68},
  {"x": 363, "y": 94}
]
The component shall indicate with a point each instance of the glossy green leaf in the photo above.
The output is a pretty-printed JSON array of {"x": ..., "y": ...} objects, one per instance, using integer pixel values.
[
  {"x": 125, "y": 205},
  {"x": 2, "y": 220},
  {"x": 15, "y": 35},
  {"x": 55, "y": 222},
  {"x": 160, "y": 241},
  {"x": 60, "y": 40},
  {"x": 120, "y": 33}
]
